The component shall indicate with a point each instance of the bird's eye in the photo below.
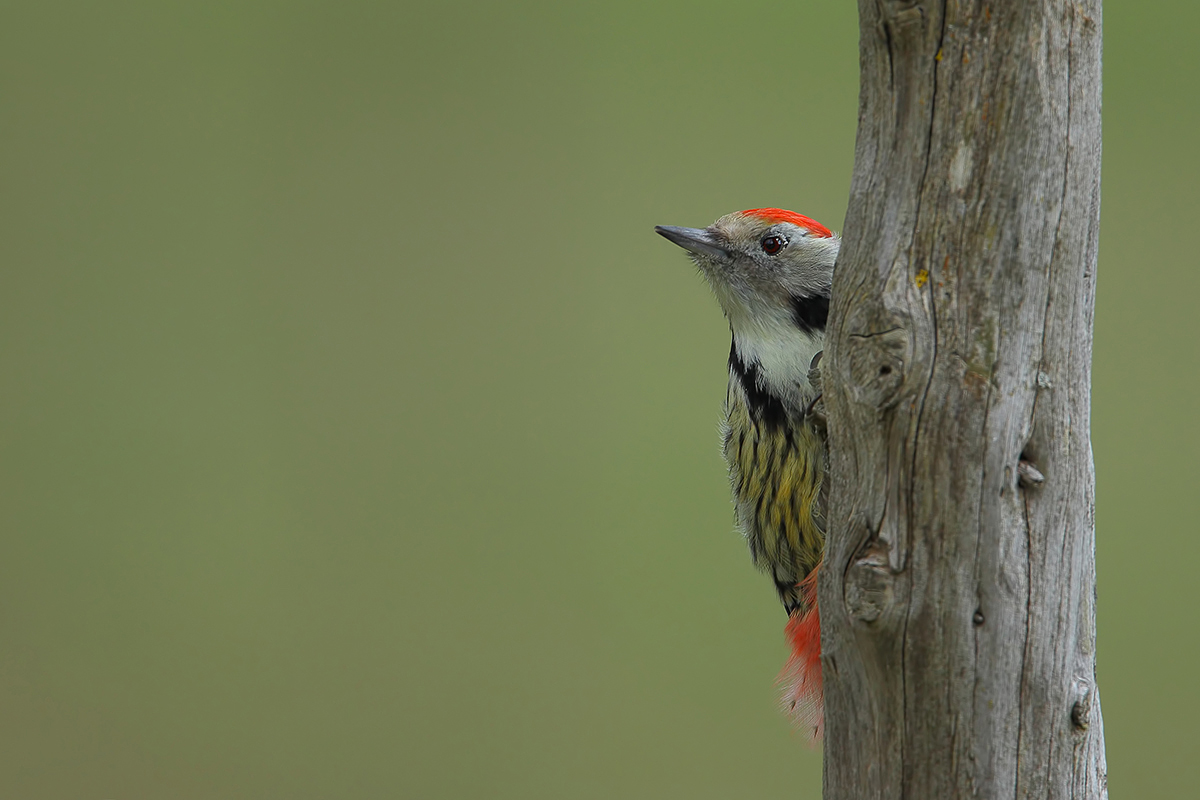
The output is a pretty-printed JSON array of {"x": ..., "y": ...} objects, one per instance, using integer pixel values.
[{"x": 772, "y": 244}]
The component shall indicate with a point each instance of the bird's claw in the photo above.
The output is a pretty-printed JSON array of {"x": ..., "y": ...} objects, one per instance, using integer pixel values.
[{"x": 816, "y": 409}]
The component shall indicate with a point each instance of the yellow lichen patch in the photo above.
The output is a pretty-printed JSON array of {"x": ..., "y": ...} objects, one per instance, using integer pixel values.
[{"x": 922, "y": 277}]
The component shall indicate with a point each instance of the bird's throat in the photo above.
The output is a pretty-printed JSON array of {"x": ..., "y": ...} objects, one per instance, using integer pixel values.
[{"x": 773, "y": 369}]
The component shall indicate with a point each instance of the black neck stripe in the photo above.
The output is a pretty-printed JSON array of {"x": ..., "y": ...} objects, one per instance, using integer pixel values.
[
  {"x": 765, "y": 407},
  {"x": 810, "y": 313}
]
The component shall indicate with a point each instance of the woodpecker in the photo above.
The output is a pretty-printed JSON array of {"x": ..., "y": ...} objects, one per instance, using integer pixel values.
[{"x": 771, "y": 271}]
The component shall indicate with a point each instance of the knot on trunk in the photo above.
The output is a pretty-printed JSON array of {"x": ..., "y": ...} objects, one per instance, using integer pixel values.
[
  {"x": 877, "y": 367},
  {"x": 1081, "y": 706},
  {"x": 869, "y": 584}
]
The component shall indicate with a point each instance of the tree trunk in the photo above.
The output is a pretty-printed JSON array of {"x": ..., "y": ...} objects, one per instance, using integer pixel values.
[{"x": 958, "y": 591}]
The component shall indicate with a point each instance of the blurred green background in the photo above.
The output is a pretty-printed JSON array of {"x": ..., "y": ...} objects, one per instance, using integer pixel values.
[{"x": 359, "y": 436}]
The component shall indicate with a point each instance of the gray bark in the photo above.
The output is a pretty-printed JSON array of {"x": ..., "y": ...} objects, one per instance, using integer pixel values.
[{"x": 957, "y": 593}]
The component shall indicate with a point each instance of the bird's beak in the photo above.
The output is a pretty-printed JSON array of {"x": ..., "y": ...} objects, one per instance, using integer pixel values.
[{"x": 694, "y": 240}]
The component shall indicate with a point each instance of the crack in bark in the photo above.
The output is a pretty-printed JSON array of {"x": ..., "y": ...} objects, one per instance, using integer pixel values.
[
  {"x": 929, "y": 134},
  {"x": 874, "y": 335},
  {"x": 929, "y": 380},
  {"x": 887, "y": 34},
  {"x": 1025, "y": 647}
]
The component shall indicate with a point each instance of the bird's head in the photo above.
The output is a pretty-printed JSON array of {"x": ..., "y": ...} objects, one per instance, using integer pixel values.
[
  {"x": 771, "y": 271},
  {"x": 764, "y": 265}
]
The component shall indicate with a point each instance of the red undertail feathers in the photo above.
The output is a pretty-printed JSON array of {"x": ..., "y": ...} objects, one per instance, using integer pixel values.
[{"x": 803, "y": 696}]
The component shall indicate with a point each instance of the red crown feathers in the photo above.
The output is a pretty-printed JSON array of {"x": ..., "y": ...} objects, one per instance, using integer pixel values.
[{"x": 783, "y": 215}]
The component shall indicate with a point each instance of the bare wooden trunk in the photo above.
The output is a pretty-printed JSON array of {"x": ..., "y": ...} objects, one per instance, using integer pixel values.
[{"x": 957, "y": 594}]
